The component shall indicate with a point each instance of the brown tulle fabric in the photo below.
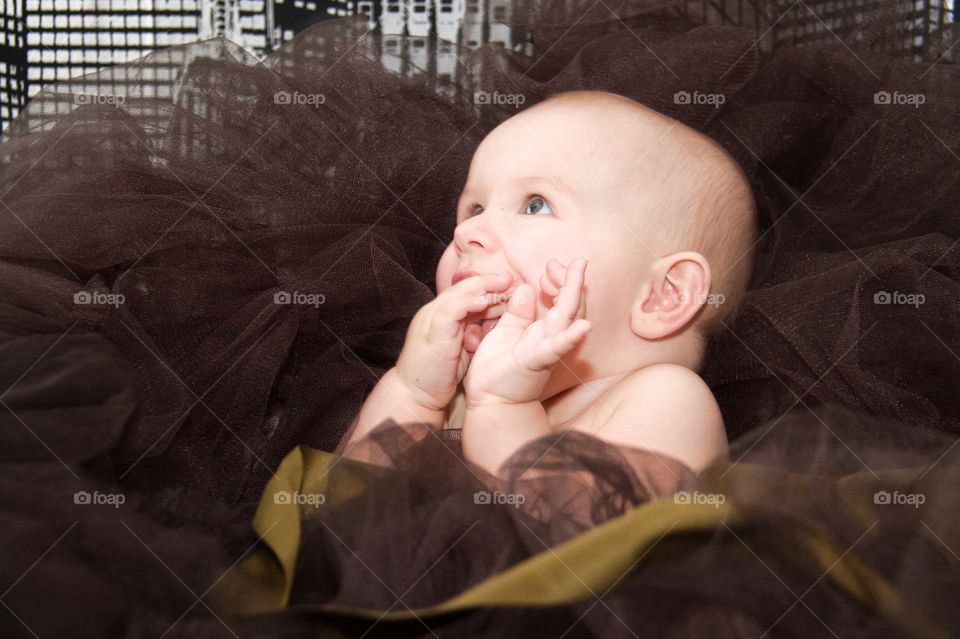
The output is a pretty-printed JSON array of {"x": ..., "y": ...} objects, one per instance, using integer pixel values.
[
  {"x": 201, "y": 202},
  {"x": 422, "y": 491},
  {"x": 758, "y": 578}
]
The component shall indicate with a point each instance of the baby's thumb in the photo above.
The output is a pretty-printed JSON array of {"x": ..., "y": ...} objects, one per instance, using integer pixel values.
[
  {"x": 522, "y": 307},
  {"x": 471, "y": 338}
]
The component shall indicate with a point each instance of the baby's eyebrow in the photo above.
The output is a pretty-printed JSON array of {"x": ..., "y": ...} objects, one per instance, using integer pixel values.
[{"x": 550, "y": 180}]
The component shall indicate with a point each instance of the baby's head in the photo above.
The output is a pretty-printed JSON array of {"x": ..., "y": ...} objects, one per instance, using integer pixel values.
[{"x": 663, "y": 215}]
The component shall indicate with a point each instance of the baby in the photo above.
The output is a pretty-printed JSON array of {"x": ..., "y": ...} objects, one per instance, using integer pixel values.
[{"x": 542, "y": 342}]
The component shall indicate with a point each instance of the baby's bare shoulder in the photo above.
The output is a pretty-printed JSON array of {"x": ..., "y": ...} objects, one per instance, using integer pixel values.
[
  {"x": 667, "y": 408},
  {"x": 663, "y": 383}
]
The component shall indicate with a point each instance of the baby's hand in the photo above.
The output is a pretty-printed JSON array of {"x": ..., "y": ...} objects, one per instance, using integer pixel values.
[
  {"x": 433, "y": 359},
  {"x": 513, "y": 361}
]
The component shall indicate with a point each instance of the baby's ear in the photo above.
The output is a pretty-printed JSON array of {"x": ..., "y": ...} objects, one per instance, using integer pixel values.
[{"x": 672, "y": 293}]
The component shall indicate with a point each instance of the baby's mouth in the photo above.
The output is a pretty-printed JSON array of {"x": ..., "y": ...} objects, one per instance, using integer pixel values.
[
  {"x": 487, "y": 325},
  {"x": 488, "y": 320}
]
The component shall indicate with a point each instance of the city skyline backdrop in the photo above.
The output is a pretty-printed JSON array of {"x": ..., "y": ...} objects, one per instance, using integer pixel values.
[{"x": 46, "y": 41}]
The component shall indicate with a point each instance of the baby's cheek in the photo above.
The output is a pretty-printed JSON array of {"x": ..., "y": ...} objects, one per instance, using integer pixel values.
[{"x": 445, "y": 269}]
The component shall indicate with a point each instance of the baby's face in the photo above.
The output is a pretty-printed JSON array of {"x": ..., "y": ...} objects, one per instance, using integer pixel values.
[{"x": 543, "y": 185}]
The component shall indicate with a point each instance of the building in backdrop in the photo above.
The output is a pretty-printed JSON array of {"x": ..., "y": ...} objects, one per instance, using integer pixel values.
[
  {"x": 13, "y": 61},
  {"x": 46, "y": 41}
]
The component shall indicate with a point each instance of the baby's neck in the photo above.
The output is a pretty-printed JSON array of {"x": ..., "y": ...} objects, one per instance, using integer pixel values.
[{"x": 578, "y": 390}]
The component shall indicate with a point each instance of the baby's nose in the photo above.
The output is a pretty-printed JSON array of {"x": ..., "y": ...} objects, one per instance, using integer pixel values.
[{"x": 473, "y": 234}]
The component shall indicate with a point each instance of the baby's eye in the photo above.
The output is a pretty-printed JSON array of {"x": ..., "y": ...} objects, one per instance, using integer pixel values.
[
  {"x": 537, "y": 205},
  {"x": 469, "y": 212}
]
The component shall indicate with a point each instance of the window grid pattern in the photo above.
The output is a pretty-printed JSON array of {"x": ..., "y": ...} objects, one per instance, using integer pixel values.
[{"x": 47, "y": 41}]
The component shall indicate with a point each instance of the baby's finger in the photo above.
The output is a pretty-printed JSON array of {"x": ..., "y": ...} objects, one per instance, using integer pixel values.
[
  {"x": 568, "y": 302},
  {"x": 564, "y": 342},
  {"x": 556, "y": 271},
  {"x": 471, "y": 337},
  {"x": 472, "y": 295},
  {"x": 479, "y": 284},
  {"x": 554, "y": 348},
  {"x": 548, "y": 287},
  {"x": 552, "y": 280}
]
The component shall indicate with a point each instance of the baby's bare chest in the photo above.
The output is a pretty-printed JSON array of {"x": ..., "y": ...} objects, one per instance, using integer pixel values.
[{"x": 592, "y": 417}]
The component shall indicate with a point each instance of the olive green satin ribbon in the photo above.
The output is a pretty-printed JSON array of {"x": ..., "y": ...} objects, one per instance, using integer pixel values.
[{"x": 579, "y": 569}]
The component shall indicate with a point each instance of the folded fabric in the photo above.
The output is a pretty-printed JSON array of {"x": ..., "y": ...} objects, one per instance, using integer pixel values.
[{"x": 846, "y": 543}]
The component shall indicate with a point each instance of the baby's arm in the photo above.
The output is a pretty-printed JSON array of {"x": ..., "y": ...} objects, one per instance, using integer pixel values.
[
  {"x": 669, "y": 409},
  {"x": 390, "y": 398},
  {"x": 494, "y": 431},
  {"x": 512, "y": 366}
]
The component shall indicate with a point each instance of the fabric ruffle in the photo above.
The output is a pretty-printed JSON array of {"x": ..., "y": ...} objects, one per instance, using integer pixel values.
[{"x": 816, "y": 525}]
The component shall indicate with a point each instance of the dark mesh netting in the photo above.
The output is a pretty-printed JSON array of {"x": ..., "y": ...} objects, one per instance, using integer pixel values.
[{"x": 207, "y": 261}]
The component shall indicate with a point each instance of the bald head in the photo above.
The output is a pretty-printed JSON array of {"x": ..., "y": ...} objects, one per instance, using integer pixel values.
[{"x": 691, "y": 194}]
